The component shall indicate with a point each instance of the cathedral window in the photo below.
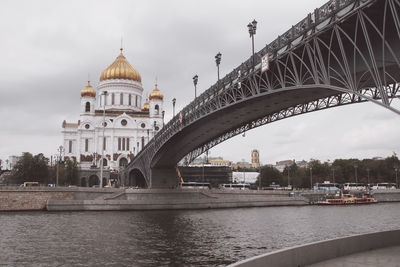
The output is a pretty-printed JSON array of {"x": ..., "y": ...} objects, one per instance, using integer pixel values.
[
  {"x": 123, "y": 143},
  {"x": 70, "y": 146},
  {"x": 104, "y": 162},
  {"x": 124, "y": 122},
  {"x": 104, "y": 143},
  {"x": 136, "y": 101},
  {"x": 86, "y": 145},
  {"x": 157, "y": 108},
  {"x": 142, "y": 142},
  {"x": 121, "y": 99},
  {"x": 87, "y": 107},
  {"x": 130, "y": 100},
  {"x": 87, "y": 126},
  {"x": 112, "y": 98},
  {"x": 143, "y": 125}
]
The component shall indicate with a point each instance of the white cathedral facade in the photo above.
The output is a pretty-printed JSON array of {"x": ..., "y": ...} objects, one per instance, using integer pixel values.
[{"x": 128, "y": 126}]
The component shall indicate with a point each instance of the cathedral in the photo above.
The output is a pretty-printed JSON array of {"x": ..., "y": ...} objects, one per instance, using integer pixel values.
[{"x": 112, "y": 117}]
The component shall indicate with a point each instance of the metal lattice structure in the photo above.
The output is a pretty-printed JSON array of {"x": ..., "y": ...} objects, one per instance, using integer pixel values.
[{"x": 347, "y": 51}]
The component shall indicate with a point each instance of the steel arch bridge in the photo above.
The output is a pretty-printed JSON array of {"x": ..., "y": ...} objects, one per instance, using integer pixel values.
[{"x": 345, "y": 52}]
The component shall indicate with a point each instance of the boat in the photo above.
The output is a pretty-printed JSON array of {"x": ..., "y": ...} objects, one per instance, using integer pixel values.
[{"x": 348, "y": 198}]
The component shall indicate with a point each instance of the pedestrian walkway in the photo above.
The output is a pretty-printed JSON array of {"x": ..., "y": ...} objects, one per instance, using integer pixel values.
[{"x": 388, "y": 257}]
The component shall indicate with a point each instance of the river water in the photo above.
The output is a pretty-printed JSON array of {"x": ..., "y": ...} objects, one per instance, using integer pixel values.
[{"x": 177, "y": 238}]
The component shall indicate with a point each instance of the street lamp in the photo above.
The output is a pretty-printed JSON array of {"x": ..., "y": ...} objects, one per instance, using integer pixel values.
[
  {"x": 173, "y": 106},
  {"x": 163, "y": 114},
  {"x": 61, "y": 150},
  {"x": 252, "y": 26},
  {"x": 218, "y": 61},
  {"x": 355, "y": 169},
  {"x": 102, "y": 149},
  {"x": 311, "y": 177},
  {"x": 195, "y": 80}
]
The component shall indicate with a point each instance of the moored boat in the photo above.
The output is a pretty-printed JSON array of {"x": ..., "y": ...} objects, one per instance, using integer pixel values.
[{"x": 347, "y": 198}]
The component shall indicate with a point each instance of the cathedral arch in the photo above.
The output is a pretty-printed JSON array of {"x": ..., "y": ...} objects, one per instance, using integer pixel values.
[{"x": 94, "y": 180}]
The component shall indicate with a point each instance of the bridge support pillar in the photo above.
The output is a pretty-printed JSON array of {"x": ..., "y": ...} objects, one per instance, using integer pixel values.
[{"x": 163, "y": 178}]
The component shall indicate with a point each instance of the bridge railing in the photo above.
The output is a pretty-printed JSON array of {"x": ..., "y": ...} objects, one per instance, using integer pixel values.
[{"x": 275, "y": 48}]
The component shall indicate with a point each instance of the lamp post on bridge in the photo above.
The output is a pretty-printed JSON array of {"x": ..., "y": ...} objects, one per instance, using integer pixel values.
[
  {"x": 218, "y": 61},
  {"x": 195, "y": 80},
  {"x": 61, "y": 151},
  {"x": 368, "y": 175},
  {"x": 252, "y": 26},
  {"x": 311, "y": 187},
  {"x": 355, "y": 170},
  {"x": 173, "y": 106},
  {"x": 102, "y": 147},
  {"x": 163, "y": 114}
]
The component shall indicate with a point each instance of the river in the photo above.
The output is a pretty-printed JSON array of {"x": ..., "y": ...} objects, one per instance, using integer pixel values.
[{"x": 177, "y": 238}]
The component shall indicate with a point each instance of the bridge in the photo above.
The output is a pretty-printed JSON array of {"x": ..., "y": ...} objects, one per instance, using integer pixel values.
[{"x": 345, "y": 52}]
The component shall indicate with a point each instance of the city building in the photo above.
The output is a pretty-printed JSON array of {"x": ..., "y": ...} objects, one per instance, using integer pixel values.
[
  {"x": 255, "y": 158},
  {"x": 215, "y": 175},
  {"x": 245, "y": 177},
  {"x": 281, "y": 165},
  {"x": 12, "y": 160},
  {"x": 129, "y": 122},
  {"x": 242, "y": 165}
]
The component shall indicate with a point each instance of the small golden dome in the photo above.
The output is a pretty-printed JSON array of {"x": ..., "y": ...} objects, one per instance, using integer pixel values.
[
  {"x": 146, "y": 106},
  {"x": 88, "y": 91},
  {"x": 121, "y": 69},
  {"x": 156, "y": 94}
]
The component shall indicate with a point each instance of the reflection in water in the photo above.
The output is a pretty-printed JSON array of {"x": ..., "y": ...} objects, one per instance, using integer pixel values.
[{"x": 177, "y": 238}]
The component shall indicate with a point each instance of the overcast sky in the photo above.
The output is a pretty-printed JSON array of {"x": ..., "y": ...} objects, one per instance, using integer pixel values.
[{"x": 48, "y": 49}]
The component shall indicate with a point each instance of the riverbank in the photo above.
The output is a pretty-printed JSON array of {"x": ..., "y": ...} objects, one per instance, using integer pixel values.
[
  {"x": 81, "y": 199},
  {"x": 84, "y": 198}
]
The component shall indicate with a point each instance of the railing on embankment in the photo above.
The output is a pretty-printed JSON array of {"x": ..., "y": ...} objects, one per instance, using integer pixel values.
[{"x": 320, "y": 251}]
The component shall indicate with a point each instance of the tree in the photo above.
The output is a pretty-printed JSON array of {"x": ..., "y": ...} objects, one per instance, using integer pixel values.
[
  {"x": 31, "y": 168},
  {"x": 269, "y": 175},
  {"x": 71, "y": 167}
]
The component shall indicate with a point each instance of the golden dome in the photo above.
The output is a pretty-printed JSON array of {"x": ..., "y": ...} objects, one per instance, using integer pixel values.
[
  {"x": 156, "y": 94},
  {"x": 121, "y": 69},
  {"x": 88, "y": 91},
  {"x": 146, "y": 106}
]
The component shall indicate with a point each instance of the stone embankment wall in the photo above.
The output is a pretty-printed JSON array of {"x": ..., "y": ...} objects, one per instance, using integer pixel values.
[
  {"x": 29, "y": 200},
  {"x": 172, "y": 199},
  {"x": 36, "y": 198}
]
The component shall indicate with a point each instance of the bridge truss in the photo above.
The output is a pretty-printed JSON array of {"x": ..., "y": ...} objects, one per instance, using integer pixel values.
[{"x": 347, "y": 51}]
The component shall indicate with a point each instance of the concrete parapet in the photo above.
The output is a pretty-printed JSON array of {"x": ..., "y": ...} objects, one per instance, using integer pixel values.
[{"x": 320, "y": 251}]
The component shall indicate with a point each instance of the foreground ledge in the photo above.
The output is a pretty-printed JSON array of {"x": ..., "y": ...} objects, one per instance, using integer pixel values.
[{"x": 312, "y": 253}]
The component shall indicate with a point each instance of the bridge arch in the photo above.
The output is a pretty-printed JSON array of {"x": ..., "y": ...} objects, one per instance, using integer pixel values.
[{"x": 136, "y": 179}]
